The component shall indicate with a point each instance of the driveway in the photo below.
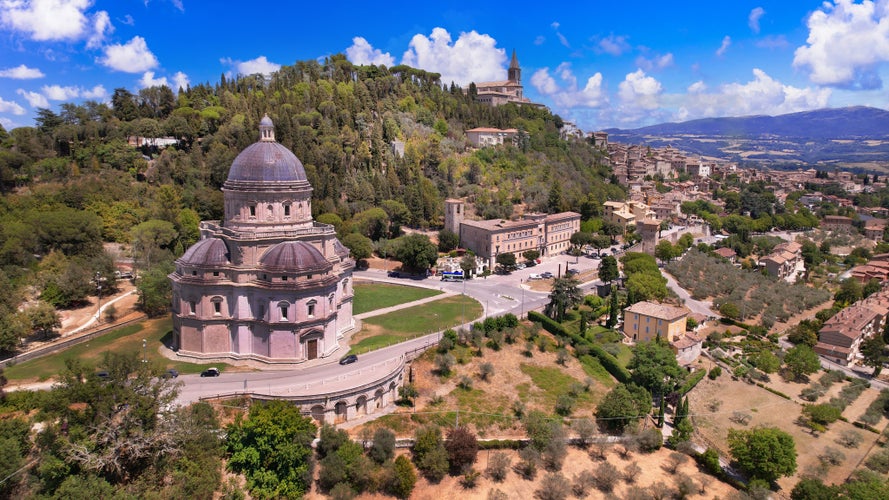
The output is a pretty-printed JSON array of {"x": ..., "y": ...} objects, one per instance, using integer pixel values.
[{"x": 696, "y": 306}]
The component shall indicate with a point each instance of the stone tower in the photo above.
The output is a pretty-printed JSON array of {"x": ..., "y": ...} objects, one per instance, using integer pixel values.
[
  {"x": 455, "y": 212},
  {"x": 514, "y": 74},
  {"x": 648, "y": 229}
]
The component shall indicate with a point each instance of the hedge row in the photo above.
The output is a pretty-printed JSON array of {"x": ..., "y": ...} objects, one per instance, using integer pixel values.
[
  {"x": 692, "y": 381},
  {"x": 773, "y": 391},
  {"x": 609, "y": 362},
  {"x": 502, "y": 444}
]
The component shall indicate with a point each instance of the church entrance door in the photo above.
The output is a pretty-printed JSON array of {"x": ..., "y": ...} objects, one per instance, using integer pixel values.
[{"x": 312, "y": 348}]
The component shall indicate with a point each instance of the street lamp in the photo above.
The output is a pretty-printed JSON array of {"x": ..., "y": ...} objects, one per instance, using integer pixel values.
[{"x": 144, "y": 351}]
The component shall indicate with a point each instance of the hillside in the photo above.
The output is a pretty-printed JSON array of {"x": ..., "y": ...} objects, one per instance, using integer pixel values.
[{"x": 854, "y": 137}]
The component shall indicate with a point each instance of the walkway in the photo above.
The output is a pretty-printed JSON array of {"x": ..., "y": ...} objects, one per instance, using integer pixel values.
[{"x": 696, "y": 306}]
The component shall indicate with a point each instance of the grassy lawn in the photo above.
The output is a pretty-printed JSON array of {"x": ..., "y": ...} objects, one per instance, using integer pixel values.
[
  {"x": 127, "y": 339},
  {"x": 373, "y": 296},
  {"x": 397, "y": 326},
  {"x": 553, "y": 382}
]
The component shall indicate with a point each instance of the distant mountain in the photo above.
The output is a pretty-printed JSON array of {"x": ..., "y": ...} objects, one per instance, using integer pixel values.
[
  {"x": 857, "y": 122},
  {"x": 853, "y": 138}
]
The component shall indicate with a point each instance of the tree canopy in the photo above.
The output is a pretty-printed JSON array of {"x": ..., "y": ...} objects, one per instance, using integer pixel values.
[{"x": 766, "y": 453}]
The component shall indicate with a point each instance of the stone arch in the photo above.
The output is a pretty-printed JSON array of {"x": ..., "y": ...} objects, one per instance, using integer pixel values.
[
  {"x": 361, "y": 405},
  {"x": 378, "y": 399},
  {"x": 317, "y": 412},
  {"x": 340, "y": 411}
]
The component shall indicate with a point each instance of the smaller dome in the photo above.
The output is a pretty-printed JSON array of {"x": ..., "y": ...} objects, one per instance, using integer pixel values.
[
  {"x": 294, "y": 256},
  {"x": 208, "y": 253},
  {"x": 266, "y": 122}
]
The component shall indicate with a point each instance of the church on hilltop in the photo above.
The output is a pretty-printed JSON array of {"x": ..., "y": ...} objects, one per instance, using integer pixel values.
[
  {"x": 267, "y": 283},
  {"x": 505, "y": 91}
]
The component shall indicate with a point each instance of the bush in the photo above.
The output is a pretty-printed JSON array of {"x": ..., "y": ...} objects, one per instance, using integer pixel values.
[
  {"x": 710, "y": 461},
  {"x": 715, "y": 372},
  {"x": 554, "y": 486},
  {"x": 583, "y": 483},
  {"x": 485, "y": 371},
  {"x": 650, "y": 440},
  {"x": 462, "y": 447},
  {"x": 403, "y": 478},
  {"x": 631, "y": 472},
  {"x": 691, "y": 382},
  {"x": 498, "y": 466},
  {"x": 831, "y": 457},
  {"x": 879, "y": 461},
  {"x": 606, "y": 477},
  {"x": 565, "y": 404},
  {"x": 528, "y": 460},
  {"x": 383, "y": 445},
  {"x": 849, "y": 438}
]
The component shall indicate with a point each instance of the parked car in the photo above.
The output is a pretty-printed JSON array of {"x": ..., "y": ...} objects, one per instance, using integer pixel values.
[
  {"x": 547, "y": 275},
  {"x": 534, "y": 277},
  {"x": 571, "y": 272},
  {"x": 210, "y": 372},
  {"x": 394, "y": 274},
  {"x": 103, "y": 375},
  {"x": 520, "y": 265},
  {"x": 171, "y": 373},
  {"x": 351, "y": 358}
]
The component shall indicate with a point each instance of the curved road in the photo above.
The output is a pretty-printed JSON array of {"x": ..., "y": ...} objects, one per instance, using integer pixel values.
[{"x": 497, "y": 294}]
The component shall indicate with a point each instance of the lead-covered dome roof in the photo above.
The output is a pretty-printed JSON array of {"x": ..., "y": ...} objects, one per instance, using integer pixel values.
[
  {"x": 266, "y": 160},
  {"x": 294, "y": 256},
  {"x": 208, "y": 252}
]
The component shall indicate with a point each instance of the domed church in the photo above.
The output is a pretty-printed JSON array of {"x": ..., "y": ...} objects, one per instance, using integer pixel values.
[{"x": 268, "y": 283}]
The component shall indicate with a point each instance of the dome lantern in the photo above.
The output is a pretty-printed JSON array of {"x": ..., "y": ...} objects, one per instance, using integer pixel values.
[{"x": 266, "y": 129}]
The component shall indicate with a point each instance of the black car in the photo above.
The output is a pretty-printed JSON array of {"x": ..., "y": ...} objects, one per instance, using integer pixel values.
[
  {"x": 394, "y": 274},
  {"x": 351, "y": 358},
  {"x": 103, "y": 375},
  {"x": 210, "y": 372},
  {"x": 171, "y": 373}
]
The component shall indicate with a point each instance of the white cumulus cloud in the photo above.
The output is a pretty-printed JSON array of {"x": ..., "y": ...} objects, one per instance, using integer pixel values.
[
  {"x": 59, "y": 93},
  {"x": 101, "y": 26},
  {"x": 35, "y": 99},
  {"x": 259, "y": 65},
  {"x": 655, "y": 62},
  {"x": 362, "y": 52},
  {"x": 726, "y": 42},
  {"x": 846, "y": 42},
  {"x": 473, "y": 57},
  {"x": 131, "y": 57},
  {"x": 568, "y": 95},
  {"x": 11, "y": 107},
  {"x": 180, "y": 79},
  {"x": 754, "y": 17},
  {"x": 639, "y": 90},
  {"x": 613, "y": 44},
  {"x": 47, "y": 19},
  {"x": 97, "y": 92},
  {"x": 761, "y": 96},
  {"x": 21, "y": 72}
]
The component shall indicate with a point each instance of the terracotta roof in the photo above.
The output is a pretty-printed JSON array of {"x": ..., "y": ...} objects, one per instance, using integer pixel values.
[
  {"x": 686, "y": 341},
  {"x": 659, "y": 311},
  {"x": 724, "y": 252}
]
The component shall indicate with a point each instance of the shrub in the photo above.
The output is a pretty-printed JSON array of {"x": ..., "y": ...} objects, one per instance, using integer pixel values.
[
  {"x": 444, "y": 363},
  {"x": 650, "y": 440},
  {"x": 554, "y": 486},
  {"x": 710, "y": 461},
  {"x": 631, "y": 472},
  {"x": 585, "y": 429},
  {"x": 497, "y": 495},
  {"x": 812, "y": 393},
  {"x": 606, "y": 477},
  {"x": 565, "y": 404},
  {"x": 850, "y": 438},
  {"x": 465, "y": 383},
  {"x": 831, "y": 457},
  {"x": 498, "y": 466},
  {"x": 686, "y": 485},
  {"x": 485, "y": 371},
  {"x": 462, "y": 447},
  {"x": 691, "y": 382},
  {"x": 674, "y": 461},
  {"x": 528, "y": 460},
  {"x": 403, "y": 478},
  {"x": 715, "y": 372},
  {"x": 383, "y": 445},
  {"x": 582, "y": 483},
  {"x": 470, "y": 478},
  {"x": 879, "y": 461}
]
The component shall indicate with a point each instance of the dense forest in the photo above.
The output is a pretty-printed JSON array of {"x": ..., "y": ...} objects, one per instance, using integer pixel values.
[{"x": 73, "y": 181}]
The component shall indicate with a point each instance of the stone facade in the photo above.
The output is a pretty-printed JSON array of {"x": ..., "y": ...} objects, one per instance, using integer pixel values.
[{"x": 267, "y": 283}]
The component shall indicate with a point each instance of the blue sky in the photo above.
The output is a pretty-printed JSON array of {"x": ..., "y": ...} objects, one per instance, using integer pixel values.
[{"x": 599, "y": 64}]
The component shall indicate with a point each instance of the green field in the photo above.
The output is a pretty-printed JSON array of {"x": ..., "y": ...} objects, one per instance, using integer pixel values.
[
  {"x": 373, "y": 296},
  {"x": 388, "y": 329},
  {"x": 127, "y": 339}
]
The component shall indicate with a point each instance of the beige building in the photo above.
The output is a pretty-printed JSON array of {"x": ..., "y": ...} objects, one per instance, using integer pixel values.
[
  {"x": 626, "y": 213},
  {"x": 645, "y": 321},
  {"x": 548, "y": 234},
  {"x": 483, "y": 136},
  {"x": 504, "y": 91}
]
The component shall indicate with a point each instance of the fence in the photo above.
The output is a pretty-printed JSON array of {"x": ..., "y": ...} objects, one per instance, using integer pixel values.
[{"x": 66, "y": 343}]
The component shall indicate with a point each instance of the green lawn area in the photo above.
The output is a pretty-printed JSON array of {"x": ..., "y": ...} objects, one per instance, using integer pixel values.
[
  {"x": 373, "y": 296},
  {"x": 397, "y": 326},
  {"x": 127, "y": 339},
  {"x": 553, "y": 382}
]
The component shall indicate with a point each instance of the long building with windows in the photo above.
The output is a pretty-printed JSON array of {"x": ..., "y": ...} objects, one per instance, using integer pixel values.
[
  {"x": 267, "y": 283},
  {"x": 548, "y": 234}
]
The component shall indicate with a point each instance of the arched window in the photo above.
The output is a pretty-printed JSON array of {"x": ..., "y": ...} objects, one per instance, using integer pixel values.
[
  {"x": 284, "y": 309},
  {"x": 287, "y": 210},
  {"x": 252, "y": 210},
  {"x": 217, "y": 305},
  {"x": 310, "y": 308}
]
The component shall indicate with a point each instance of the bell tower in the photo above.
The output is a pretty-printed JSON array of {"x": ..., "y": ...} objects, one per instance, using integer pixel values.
[{"x": 514, "y": 74}]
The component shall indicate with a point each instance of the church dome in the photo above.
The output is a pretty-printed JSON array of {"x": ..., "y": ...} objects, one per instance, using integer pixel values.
[
  {"x": 266, "y": 160},
  {"x": 211, "y": 252},
  {"x": 294, "y": 256}
]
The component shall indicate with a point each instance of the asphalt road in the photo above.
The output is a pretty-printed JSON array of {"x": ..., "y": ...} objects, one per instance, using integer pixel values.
[{"x": 498, "y": 294}]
